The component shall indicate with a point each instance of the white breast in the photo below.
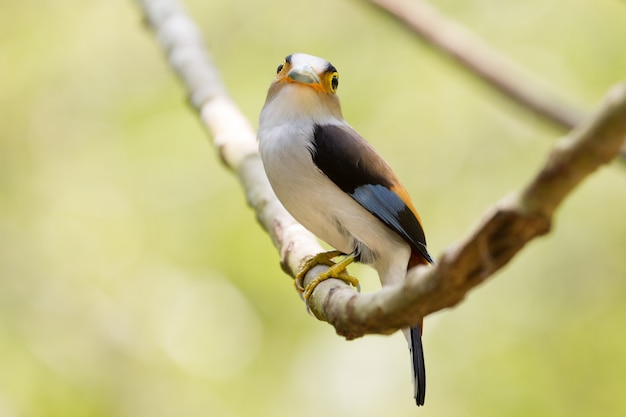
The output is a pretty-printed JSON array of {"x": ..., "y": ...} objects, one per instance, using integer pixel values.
[{"x": 285, "y": 140}]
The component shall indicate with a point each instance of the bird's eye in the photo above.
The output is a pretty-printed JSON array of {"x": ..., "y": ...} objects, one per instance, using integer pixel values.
[
  {"x": 280, "y": 68},
  {"x": 334, "y": 82}
]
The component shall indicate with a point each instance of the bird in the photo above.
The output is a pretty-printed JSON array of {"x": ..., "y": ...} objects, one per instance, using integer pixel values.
[{"x": 334, "y": 183}]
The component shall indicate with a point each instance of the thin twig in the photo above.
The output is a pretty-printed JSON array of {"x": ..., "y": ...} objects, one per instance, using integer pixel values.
[{"x": 481, "y": 60}]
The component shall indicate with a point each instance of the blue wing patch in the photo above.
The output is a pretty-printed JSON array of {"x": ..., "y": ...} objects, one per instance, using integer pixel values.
[{"x": 392, "y": 211}]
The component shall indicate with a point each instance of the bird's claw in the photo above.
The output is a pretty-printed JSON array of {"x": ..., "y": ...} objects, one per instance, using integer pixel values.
[
  {"x": 323, "y": 258},
  {"x": 335, "y": 270},
  {"x": 337, "y": 273}
]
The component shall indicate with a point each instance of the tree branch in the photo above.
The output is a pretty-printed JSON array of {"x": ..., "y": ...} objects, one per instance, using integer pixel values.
[
  {"x": 503, "y": 232},
  {"x": 232, "y": 134},
  {"x": 481, "y": 60}
]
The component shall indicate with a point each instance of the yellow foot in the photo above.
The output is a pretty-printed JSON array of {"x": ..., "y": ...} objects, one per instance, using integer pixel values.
[
  {"x": 324, "y": 258},
  {"x": 336, "y": 270}
]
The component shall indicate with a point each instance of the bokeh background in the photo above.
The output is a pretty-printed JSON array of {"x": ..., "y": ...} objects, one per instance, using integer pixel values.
[{"x": 134, "y": 281}]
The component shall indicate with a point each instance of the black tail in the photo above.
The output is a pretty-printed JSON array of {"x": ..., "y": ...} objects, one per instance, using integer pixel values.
[{"x": 419, "y": 369}]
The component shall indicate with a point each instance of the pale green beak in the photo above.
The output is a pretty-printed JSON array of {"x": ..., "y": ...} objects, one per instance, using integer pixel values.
[{"x": 304, "y": 74}]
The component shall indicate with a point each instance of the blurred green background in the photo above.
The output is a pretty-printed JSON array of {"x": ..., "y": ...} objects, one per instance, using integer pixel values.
[{"x": 134, "y": 281}]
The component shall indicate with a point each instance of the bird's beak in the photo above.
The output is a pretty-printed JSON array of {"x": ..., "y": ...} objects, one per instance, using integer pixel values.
[{"x": 304, "y": 74}]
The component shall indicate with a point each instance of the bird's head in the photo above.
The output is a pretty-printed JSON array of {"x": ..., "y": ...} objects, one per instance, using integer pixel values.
[{"x": 305, "y": 84}]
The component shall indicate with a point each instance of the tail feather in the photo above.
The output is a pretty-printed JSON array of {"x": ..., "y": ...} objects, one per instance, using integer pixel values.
[
  {"x": 419, "y": 369},
  {"x": 415, "y": 342}
]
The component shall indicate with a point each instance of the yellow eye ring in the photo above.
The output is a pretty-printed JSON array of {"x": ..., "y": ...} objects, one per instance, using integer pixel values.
[
  {"x": 280, "y": 67},
  {"x": 334, "y": 81}
]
